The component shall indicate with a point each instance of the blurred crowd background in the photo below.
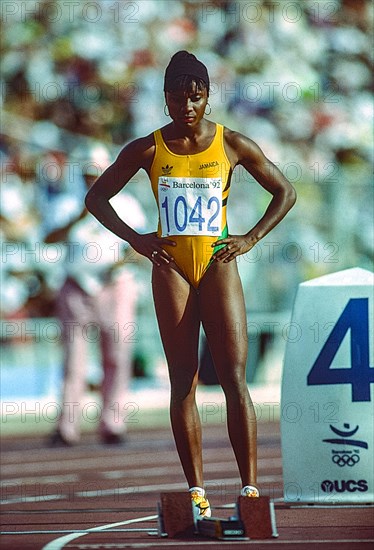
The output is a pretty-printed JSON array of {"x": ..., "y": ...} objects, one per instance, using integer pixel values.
[{"x": 80, "y": 79}]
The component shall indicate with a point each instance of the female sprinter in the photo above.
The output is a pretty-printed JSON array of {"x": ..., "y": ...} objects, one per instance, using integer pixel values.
[{"x": 195, "y": 278}]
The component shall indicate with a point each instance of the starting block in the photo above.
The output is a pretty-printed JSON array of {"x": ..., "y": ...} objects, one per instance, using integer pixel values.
[{"x": 254, "y": 519}]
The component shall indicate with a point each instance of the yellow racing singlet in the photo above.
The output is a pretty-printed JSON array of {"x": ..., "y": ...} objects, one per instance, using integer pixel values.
[{"x": 191, "y": 192}]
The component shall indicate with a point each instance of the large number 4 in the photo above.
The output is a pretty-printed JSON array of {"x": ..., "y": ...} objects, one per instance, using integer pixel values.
[
  {"x": 197, "y": 218},
  {"x": 356, "y": 318}
]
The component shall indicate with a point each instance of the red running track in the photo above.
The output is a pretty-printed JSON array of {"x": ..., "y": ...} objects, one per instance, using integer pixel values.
[{"x": 94, "y": 496}]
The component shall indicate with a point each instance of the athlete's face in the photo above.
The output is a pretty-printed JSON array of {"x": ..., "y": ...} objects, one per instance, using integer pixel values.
[{"x": 187, "y": 108}]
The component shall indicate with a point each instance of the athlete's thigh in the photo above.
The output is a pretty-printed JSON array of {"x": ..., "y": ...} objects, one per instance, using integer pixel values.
[
  {"x": 223, "y": 315},
  {"x": 177, "y": 314}
]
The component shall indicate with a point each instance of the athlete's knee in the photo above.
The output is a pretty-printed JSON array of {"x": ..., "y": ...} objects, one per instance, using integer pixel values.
[
  {"x": 182, "y": 391},
  {"x": 234, "y": 382}
]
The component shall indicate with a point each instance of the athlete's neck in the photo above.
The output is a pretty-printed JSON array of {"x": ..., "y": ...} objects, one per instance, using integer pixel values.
[{"x": 194, "y": 134}]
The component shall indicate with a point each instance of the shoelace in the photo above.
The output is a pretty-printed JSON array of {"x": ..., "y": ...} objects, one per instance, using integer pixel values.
[{"x": 200, "y": 501}]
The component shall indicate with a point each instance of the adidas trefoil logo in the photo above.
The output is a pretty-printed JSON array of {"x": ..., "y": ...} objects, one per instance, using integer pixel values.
[{"x": 166, "y": 170}]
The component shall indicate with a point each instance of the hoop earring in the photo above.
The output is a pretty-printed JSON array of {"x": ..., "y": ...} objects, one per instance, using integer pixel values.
[
  {"x": 166, "y": 108},
  {"x": 210, "y": 109}
]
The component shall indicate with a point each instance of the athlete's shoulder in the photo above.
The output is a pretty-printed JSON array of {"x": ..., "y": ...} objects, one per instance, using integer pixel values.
[
  {"x": 140, "y": 145},
  {"x": 140, "y": 151},
  {"x": 240, "y": 145},
  {"x": 234, "y": 138}
]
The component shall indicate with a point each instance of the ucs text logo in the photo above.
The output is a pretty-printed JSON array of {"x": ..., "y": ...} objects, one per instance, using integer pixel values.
[{"x": 343, "y": 486}]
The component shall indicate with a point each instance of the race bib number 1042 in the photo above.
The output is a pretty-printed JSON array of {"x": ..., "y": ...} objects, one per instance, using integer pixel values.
[{"x": 190, "y": 206}]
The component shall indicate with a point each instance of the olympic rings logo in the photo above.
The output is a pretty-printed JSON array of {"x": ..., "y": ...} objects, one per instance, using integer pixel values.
[{"x": 345, "y": 460}]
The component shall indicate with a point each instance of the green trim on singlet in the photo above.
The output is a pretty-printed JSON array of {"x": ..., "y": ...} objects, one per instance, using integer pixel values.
[{"x": 223, "y": 235}]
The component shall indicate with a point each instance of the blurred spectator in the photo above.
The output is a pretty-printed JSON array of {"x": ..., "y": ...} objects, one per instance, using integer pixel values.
[
  {"x": 58, "y": 201},
  {"x": 97, "y": 304},
  {"x": 23, "y": 289}
]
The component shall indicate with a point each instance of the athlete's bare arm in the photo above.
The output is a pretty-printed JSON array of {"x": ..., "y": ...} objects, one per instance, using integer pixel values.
[
  {"x": 134, "y": 156},
  {"x": 245, "y": 152}
]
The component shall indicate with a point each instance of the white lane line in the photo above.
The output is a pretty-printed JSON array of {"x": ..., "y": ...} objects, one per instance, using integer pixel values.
[
  {"x": 77, "y": 464},
  {"x": 84, "y": 531},
  {"x": 37, "y": 498},
  {"x": 331, "y": 506},
  {"x": 263, "y": 464},
  {"x": 133, "y": 490},
  {"x": 162, "y": 470},
  {"x": 202, "y": 544},
  {"x": 60, "y": 542},
  {"x": 68, "y": 478},
  {"x": 86, "y": 463}
]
